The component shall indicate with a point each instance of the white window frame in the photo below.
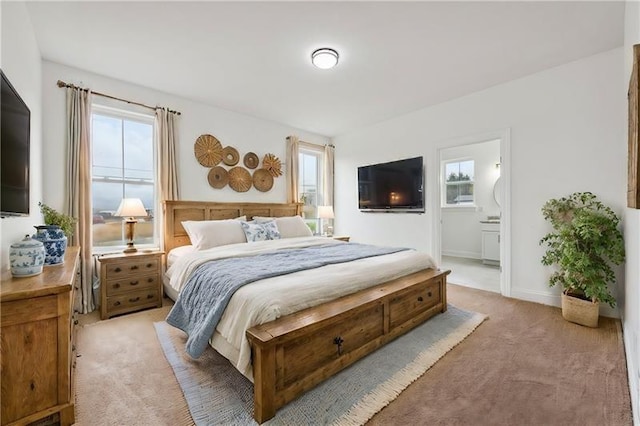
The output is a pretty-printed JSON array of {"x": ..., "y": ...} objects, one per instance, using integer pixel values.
[
  {"x": 318, "y": 152},
  {"x": 129, "y": 115},
  {"x": 443, "y": 191}
]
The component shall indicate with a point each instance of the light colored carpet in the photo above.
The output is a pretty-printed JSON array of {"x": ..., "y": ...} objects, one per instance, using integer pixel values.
[
  {"x": 523, "y": 366},
  {"x": 218, "y": 394}
]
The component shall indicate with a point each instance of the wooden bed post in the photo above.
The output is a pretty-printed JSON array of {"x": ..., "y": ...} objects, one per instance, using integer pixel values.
[{"x": 264, "y": 382}]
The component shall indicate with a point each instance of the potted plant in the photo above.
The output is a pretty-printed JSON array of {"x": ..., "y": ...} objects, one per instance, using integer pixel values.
[
  {"x": 54, "y": 234},
  {"x": 585, "y": 242}
]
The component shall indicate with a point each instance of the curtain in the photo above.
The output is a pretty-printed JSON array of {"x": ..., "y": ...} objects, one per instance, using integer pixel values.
[
  {"x": 293, "y": 150},
  {"x": 329, "y": 154},
  {"x": 166, "y": 136},
  {"x": 78, "y": 186}
]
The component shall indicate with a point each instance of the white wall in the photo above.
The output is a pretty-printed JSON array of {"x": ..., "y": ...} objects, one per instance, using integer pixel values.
[
  {"x": 461, "y": 230},
  {"x": 566, "y": 124},
  {"x": 20, "y": 61},
  {"x": 630, "y": 295},
  {"x": 243, "y": 132}
]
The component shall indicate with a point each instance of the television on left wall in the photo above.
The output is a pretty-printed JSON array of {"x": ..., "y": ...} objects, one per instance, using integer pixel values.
[{"x": 15, "y": 124}]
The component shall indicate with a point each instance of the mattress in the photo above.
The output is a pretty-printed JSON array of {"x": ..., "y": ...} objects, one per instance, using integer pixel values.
[{"x": 266, "y": 300}]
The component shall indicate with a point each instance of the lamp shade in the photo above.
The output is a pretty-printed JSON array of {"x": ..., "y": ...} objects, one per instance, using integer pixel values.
[
  {"x": 325, "y": 212},
  {"x": 131, "y": 207}
]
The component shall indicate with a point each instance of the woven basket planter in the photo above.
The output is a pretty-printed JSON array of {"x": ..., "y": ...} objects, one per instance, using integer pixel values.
[{"x": 580, "y": 311}]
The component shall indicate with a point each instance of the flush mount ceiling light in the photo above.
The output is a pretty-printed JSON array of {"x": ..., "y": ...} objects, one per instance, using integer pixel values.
[{"x": 324, "y": 58}]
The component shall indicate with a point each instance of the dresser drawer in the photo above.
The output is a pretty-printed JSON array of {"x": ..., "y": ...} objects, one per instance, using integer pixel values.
[
  {"x": 137, "y": 267},
  {"x": 132, "y": 283},
  {"x": 330, "y": 343},
  {"x": 132, "y": 299},
  {"x": 407, "y": 305}
]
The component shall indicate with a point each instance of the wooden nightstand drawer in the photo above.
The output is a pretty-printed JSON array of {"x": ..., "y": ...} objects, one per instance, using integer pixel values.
[
  {"x": 133, "y": 299},
  {"x": 123, "y": 269},
  {"x": 130, "y": 282},
  {"x": 115, "y": 287}
]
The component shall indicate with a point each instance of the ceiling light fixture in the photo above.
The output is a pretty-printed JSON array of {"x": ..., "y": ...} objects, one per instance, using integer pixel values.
[{"x": 324, "y": 58}]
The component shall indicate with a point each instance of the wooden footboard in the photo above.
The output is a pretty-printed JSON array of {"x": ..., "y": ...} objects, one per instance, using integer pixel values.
[{"x": 294, "y": 353}]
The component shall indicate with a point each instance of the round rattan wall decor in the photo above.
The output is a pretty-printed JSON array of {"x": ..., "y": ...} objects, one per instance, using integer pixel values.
[
  {"x": 218, "y": 177},
  {"x": 208, "y": 150},
  {"x": 262, "y": 180},
  {"x": 272, "y": 164},
  {"x": 230, "y": 156},
  {"x": 251, "y": 160},
  {"x": 240, "y": 179}
]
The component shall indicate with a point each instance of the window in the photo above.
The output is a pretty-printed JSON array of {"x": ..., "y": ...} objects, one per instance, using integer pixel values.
[
  {"x": 458, "y": 183},
  {"x": 123, "y": 166},
  {"x": 310, "y": 178}
]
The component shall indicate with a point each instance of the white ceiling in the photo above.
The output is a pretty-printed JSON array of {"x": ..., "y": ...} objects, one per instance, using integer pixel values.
[{"x": 254, "y": 58}]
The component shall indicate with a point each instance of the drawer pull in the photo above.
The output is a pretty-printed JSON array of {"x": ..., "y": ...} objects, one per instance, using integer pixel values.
[
  {"x": 338, "y": 341},
  {"x": 117, "y": 270},
  {"x": 117, "y": 303},
  {"x": 420, "y": 299},
  {"x": 150, "y": 296},
  {"x": 134, "y": 299},
  {"x": 116, "y": 285},
  {"x": 134, "y": 282},
  {"x": 134, "y": 267},
  {"x": 149, "y": 265}
]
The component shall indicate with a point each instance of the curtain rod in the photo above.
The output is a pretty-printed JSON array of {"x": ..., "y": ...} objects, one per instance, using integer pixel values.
[{"x": 63, "y": 84}]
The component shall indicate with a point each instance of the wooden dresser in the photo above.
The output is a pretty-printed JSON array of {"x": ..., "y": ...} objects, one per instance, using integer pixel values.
[
  {"x": 37, "y": 345},
  {"x": 130, "y": 282}
]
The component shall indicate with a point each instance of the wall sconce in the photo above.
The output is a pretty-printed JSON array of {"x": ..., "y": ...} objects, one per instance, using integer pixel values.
[{"x": 130, "y": 208}]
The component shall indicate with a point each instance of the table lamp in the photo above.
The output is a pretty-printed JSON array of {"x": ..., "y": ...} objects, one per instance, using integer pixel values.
[
  {"x": 130, "y": 208},
  {"x": 326, "y": 212}
]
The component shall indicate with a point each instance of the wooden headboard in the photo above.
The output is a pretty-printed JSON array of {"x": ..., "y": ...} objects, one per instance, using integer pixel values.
[{"x": 176, "y": 212}]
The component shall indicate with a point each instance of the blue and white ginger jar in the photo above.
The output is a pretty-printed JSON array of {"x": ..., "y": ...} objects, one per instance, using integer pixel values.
[
  {"x": 55, "y": 243},
  {"x": 26, "y": 257}
]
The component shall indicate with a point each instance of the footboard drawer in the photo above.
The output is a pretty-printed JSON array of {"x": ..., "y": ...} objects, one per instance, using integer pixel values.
[
  {"x": 411, "y": 302},
  {"x": 344, "y": 335}
]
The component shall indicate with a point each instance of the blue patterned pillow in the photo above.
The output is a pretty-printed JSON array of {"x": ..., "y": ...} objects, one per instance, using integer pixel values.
[{"x": 260, "y": 231}]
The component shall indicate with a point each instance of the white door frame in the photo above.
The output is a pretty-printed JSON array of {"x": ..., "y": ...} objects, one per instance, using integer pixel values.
[{"x": 505, "y": 221}]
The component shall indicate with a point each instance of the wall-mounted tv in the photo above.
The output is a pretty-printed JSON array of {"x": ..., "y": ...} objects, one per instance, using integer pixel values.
[
  {"x": 15, "y": 121},
  {"x": 397, "y": 186}
]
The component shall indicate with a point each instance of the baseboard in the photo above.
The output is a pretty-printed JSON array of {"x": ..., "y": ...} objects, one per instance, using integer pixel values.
[
  {"x": 462, "y": 253},
  {"x": 547, "y": 298}
]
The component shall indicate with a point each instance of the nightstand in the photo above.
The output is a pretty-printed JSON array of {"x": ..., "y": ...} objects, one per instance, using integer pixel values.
[
  {"x": 341, "y": 238},
  {"x": 130, "y": 282}
]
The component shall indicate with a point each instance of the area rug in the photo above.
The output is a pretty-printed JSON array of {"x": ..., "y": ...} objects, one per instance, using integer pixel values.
[{"x": 217, "y": 394}]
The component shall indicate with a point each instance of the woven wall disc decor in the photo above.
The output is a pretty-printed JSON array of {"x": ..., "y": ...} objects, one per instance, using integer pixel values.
[
  {"x": 262, "y": 180},
  {"x": 230, "y": 156},
  {"x": 272, "y": 164},
  {"x": 208, "y": 150},
  {"x": 218, "y": 177},
  {"x": 251, "y": 160},
  {"x": 240, "y": 179}
]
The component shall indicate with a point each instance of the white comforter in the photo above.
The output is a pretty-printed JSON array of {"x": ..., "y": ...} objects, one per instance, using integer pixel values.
[{"x": 265, "y": 300}]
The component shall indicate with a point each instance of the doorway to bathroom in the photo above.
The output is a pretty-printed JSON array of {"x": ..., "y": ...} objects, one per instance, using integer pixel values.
[{"x": 473, "y": 215}]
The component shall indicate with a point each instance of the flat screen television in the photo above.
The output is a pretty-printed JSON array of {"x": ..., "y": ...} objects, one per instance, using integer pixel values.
[
  {"x": 15, "y": 121},
  {"x": 396, "y": 186}
]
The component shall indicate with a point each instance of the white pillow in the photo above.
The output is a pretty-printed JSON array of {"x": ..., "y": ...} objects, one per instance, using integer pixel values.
[
  {"x": 205, "y": 234},
  {"x": 289, "y": 226}
]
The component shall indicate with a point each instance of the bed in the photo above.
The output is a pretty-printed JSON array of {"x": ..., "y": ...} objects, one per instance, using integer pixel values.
[{"x": 303, "y": 342}]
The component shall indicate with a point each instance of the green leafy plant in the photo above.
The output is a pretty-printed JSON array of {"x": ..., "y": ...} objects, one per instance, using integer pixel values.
[
  {"x": 585, "y": 242},
  {"x": 54, "y": 217}
]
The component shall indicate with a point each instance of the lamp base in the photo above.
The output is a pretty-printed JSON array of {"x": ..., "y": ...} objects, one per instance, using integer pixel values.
[{"x": 130, "y": 249}]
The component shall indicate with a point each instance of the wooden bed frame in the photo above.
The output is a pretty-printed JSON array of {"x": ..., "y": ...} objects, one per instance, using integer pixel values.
[{"x": 296, "y": 352}]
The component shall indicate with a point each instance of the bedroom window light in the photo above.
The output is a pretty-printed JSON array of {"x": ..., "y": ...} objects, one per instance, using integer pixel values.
[
  {"x": 458, "y": 182},
  {"x": 310, "y": 178},
  {"x": 123, "y": 166}
]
